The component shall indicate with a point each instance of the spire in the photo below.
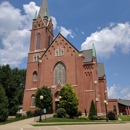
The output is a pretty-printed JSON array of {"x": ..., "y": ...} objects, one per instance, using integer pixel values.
[
  {"x": 35, "y": 16},
  {"x": 93, "y": 51},
  {"x": 45, "y": 15},
  {"x": 44, "y": 9}
]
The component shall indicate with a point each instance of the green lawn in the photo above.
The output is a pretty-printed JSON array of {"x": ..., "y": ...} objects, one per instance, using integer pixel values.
[
  {"x": 125, "y": 118},
  {"x": 64, "y": 120}
]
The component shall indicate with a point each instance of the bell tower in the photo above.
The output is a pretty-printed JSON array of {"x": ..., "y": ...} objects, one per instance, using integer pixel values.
[
  {"x": 42, "y": 29},
  {"x": 41, "y": 39}
]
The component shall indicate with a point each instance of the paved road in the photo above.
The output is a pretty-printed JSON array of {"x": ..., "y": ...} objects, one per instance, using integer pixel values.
[{"x": 26, "y": 125}]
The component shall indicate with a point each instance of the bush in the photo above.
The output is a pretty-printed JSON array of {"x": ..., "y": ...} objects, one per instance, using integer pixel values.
[
  {"x": 92, "y": 111},
  {"x": 18, "y": 115},
  {"x": 37, "y": 112},
  {"x": 29, "y": 114},
  {"x": 83, "y": 117},
  {"x": 61, "y": 112},
  {"x": 99, "y": 117},
  {"x": 111, "y": 116},
  {"x": 79, "y": 113}
]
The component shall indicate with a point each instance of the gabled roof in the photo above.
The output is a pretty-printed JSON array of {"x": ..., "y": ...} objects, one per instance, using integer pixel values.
[
  {"x": 87, "y": 55},
  {"x": 54, "y": 41},
  {"x": 101, "y": 70},
  {"x": 44, "y": 9},
  {"x": 124, "y": 102}
]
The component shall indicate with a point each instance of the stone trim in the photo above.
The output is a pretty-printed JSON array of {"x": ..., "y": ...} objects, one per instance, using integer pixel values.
[
  {"x": 89, "y": 91},
  {"x": 31, "y": 89}
]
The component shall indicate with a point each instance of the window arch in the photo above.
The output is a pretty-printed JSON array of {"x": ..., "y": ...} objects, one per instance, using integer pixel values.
[
  {"x": 59, "y": 73},
  {"x": 33, "y": 100},
  {"x": 38, "y": 40},
  {"x": 34, "y": 76}
]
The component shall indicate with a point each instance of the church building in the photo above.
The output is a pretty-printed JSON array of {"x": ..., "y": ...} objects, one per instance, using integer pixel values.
[{"x": 55, "y": 61}]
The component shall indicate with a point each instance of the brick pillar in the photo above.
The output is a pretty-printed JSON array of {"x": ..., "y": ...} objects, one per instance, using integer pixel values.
[{"x": 127, "y": 111}]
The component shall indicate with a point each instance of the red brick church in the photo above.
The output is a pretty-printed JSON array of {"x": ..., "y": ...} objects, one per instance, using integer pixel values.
[{"x": 54, "y": 62}]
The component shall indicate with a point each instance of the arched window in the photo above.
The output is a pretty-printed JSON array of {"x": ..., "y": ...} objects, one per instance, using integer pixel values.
[
  {"x": 59, "y": 52},
  {"x": 59, "y": 74},
  {"x": 38, "y": 39},
  {"x": 35, "y": 76},
  {"x": 35, "y": 58},
  {"x": 33, "y": 101}
]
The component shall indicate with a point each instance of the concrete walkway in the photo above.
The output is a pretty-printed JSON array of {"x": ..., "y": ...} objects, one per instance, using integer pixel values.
[{"x": 26, "y": 125}]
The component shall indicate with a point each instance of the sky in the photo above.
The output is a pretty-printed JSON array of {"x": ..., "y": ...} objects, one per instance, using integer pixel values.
[{"x": 106, "y": 23}]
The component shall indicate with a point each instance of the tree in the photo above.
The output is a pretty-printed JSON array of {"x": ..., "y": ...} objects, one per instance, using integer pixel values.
[
  {"x": 46, "y": 102},
  {"x": 13, "y": 82},
  {"x": 3, "y": 105},
  {"x": 92, "y": 111},
  {"x": 69, "y": 100}
]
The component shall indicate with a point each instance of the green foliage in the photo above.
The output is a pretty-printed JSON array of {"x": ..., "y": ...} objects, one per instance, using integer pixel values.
[
  {"x": 61, "y": 112},
  {"x": 13, "y": 82},
  {"x": 18, "y": 115},
  {"x": 79, "y": 113},
  {"x": 3, "y": 105},
  {"x": 92, "y": 111},
  {"x": 83, "y": 117},
  {"x": 29, "y": 114},
  {"x": 37, "y": 112},
  {"x": 69, "y": 100},
  {"x": 111, "y": 115},
  {"x": 46, "y": 102},
  {"x": 99, "y": 117}
]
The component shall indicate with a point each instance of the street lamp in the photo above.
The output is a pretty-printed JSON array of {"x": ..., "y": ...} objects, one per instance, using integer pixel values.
[
  {"x": 40, "y": 119},
  {"x": 106, "y": 103}
]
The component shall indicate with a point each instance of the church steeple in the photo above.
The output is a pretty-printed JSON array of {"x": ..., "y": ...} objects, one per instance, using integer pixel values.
[{"x": 44, "y": 12}]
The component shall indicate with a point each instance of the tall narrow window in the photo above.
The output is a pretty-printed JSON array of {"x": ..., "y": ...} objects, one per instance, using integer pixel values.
[
  {"x": 35, "y": 58},
  {"x": 59, "y": 74},
  {"x": 38, "y": 39},
  {"x": 35, "y": 76},
  {"x": 33, "y": 101}
]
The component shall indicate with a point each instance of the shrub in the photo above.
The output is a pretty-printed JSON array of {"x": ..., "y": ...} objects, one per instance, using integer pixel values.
[
  {"x": 18, "y": 115},
  {"x": 111, "y": 115},
  {"x": 67, "y": 116},
  {"x": 29, "y": 114},
  {"x": 79, "y": 113},
  {"x": 92, "y": 111},
  {"x": 37, "y": 112},
  {"x": 99, "y": 117},
  {"x": 83, "y": 117},
  {"x": 61, "y": 112},
  {"x": 55, "y": 115}
]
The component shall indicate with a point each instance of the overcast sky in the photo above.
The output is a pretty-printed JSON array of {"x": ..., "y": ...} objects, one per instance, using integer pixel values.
[{"x": 106, "y": 23}]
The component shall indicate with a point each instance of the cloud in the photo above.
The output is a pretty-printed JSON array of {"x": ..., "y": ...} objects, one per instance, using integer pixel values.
[
  {"x": 54, "y": 22},
  {"x": 119, "y": 92},
  {"x": 14, "y": 32},
  {"x": 66, "y": 32},
  {"x": 108, "y": 39},
  {"x": 82, "y": 32}
]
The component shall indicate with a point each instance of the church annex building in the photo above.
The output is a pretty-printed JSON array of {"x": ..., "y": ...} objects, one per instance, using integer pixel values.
[{"x": 54, "y": 62}]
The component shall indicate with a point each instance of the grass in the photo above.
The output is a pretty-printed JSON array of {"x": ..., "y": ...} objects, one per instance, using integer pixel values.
[
  {"x": 66, "y": 121},
  {"x": 12, "y": 120},
  {"x": 125, "y": 118},
  {"x": 52, "y": 119}
]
